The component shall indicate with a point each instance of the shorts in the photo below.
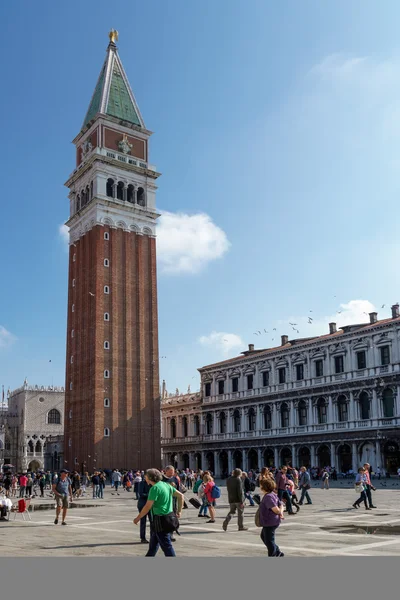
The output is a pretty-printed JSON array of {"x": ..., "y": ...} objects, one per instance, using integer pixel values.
[
  {"x": 62, "y": 501},
  {"x": 208, "y": 503}
]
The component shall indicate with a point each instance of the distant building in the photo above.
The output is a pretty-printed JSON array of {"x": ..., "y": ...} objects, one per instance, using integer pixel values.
[
  {"x": 33, "y": 428},
  {"x": 331, "y": 400}
]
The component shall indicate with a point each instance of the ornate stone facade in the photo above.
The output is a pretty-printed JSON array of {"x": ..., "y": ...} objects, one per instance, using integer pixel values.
[
  {"x": 330, "y": 400},
  {"x": 33, "y": 421}
]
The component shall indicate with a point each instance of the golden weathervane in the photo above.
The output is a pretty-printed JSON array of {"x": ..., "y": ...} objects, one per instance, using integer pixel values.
[{"x": 113, "y": 35}]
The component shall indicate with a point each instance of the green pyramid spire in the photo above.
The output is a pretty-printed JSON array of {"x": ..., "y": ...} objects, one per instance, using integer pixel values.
[{"x": 113, "y": 95}]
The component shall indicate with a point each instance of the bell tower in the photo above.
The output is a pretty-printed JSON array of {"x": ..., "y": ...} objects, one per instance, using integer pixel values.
[{"x": 112, "y": 403}]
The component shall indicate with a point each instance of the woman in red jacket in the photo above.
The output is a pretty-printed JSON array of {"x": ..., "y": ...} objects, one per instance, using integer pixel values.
[{"x": 210, "y": 502}]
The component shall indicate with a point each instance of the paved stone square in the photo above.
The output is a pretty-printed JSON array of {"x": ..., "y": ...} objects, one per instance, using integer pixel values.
[{"x": 318, "y": 530}]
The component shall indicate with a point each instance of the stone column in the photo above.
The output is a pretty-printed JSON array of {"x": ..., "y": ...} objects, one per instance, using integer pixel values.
[
  {"x": 217, "y": 473},
  {"x": 294, "y": 457},
  {"x": 258, "y": 417},
  {"x": 179, "y": 427},
  {"x": 243, "y": 424},
  {"x": 310, "y": 412},
  {"x": 230, "y": 462},
  {"x": 378, "y": 455},
  {"x": 333, "y": 455},
  {"x": 331, "y": 418},
  {"x": 351, "y": 407},
  {"x": 292, "y": 422},
  {"x": 354, "y": 456},
  {"x": 313, "y": 456},
  {"x": 245, "y": 461},
  {"x": 274, "y": 413},
  {"x": 375, "y": 405},
  {"x": 204, "y": 464},
  {"x": 215, "y": 423},
  {"x": 260, "y": 458},
  {"x": 192, "y": 462},
  {"x": 276, "y": 457}
]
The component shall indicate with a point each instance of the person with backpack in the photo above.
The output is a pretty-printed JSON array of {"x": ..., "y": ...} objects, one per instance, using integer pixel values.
[
  {"x": 209, "y": 495},
  {"x": 62, "y": 489},
  {"x": 204, "y": 504},
  {"x": 236, "y": 496},
  {"x": 29, "y": 485},
  {"x": 248, "y": 486}
]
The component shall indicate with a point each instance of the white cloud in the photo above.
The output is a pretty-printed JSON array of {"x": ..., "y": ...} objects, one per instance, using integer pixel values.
[
  {"x": 351, "y": 313},
  {"x": 6, "y": 338},
  {"x": 187, "y": 243},
  {"x": 223, "y": 342},
  {"x": 63, "y": 231}
]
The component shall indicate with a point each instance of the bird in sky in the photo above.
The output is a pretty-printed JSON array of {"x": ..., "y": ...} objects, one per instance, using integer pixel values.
[
  {"x": 292, "y": 324},
  {"x": 310, "y": 320},
  {"x": 338, "y": 312},
  {"x": 255, "y": 333},
  {"x": 274, "y": 329},
  {"x": 273, "y": 339},
  {"x": 297, "y": 331},
  {"x": 364, "y": 313},
  {"x": 310, "y": 310},
  {"x": 383, "y": 305},
  {"x": 294, "y": 328},
  {"x": 91, "y": 294},
  {"x": 163, "y": 357},
  {"x": 259, "y": 332},
  {"x": 50, "y": 360},
  {"x": 225, "y": 340},
  {"x": 265, "y": 331}
]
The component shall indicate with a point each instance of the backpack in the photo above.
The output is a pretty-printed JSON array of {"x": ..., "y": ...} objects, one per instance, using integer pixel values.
[{"x": 215, "y": 492}]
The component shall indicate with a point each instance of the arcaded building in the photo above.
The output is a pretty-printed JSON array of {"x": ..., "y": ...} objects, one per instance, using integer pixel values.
[
  {"x": 331, "y": 400},
  {"x": 112, "y": 404}
]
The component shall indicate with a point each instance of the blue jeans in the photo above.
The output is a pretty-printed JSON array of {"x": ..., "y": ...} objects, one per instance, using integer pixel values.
[
  {"x": 268, "y": 537},
  {"x": 163, "y": 540},
  {"x": 203, "y": 508},
  {"x": 96, "y": 491},
  {"x": 141, "y": 503},
  {"x": 284, "y": 494},
  {"x": 249, "y": 498},
  {"x": 116, "y": 485},
  {"x": 304, "y": 493}
]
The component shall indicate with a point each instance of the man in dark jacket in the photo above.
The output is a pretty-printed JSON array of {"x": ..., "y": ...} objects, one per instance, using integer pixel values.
[
  {"x": 304, "y": 485},
  {"x": 143, "y": 492},
  {"x": 235, "y": 489},
  {"x": 247, "y": 488}
]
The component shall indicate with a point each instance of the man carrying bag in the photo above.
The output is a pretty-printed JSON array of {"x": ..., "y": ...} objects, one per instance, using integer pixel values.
[{"x": 165, "y": 521}]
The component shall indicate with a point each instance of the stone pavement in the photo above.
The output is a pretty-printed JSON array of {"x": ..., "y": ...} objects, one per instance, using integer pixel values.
[{"x": 330, "y": 527}]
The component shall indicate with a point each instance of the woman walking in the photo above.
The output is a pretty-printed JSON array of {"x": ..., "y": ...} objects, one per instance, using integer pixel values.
[
  {"x": 360, "y": 485},
  {"x": 271, "y": 514},
  {"x": 210, "y": 502},
  {"x": 204, "y": 503},
  {"x": 325, "y": 480}
]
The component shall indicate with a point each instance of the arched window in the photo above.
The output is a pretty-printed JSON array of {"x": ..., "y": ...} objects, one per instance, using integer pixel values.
[
  {"x": 106, "y": 317},
  {"x": 388, "y": 403},
  {"x": 38, "y": 447},
  {"x": 284, "y": 415},
  {"x": 130, "y": 194},
  {"x": 209, "y": 424},
  {"x": 54, "y": 417},
  {"x": 110, "y": 188},
  {"x": 267, "y": 418},
  {"x": 236, "y": 421},
  {"x": 106, "y": 374},
  {"x": 106, "y": 432},
  {"x": 30, "y": 446},
  {"x": 302, "y": 412},
  {"x": 321, "y": 411},
  {"x": 106, "y": 289},
  {"x": 78, "y": 202},
  {"x": 196, "y": 422},
  {"x": 222, "y": 422},
  {"x": 106, "y": 345},
  {"x": 252, "y": 419},
  {"x": 342, "y": 409},
  {"x": 364, "y": 406},
  {"x": 120, "y": 190},
  {"x": 7, "y": 444},
  {"x": 106, "y": 402},
  {"x": 87, "y": 194},
  {"x": 140, "y": 199},
  {"x": 173, "y": 428},
  {"x": 185, "y": 426},
  {"x": 91, "y": 190}
]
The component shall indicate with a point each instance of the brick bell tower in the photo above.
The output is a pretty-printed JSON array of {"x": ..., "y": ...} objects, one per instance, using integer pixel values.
[{"x": 112, "y": 403}]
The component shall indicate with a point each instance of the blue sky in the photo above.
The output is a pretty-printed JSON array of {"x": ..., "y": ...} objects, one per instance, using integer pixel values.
[{"x": 277, "y": 130}]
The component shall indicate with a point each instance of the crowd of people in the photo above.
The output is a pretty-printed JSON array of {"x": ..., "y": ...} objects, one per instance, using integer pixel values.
[{"x": 160, "y": 496}]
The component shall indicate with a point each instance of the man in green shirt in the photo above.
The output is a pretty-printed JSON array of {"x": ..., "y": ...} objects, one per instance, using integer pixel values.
[{"x": 160, "y": 501}]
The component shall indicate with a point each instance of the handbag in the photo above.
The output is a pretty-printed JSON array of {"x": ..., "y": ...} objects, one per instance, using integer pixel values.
[
  {"x": 257, "y": 519},
  {"x": 166, "y": 523},
  {"x": 359, "y": 487}
]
